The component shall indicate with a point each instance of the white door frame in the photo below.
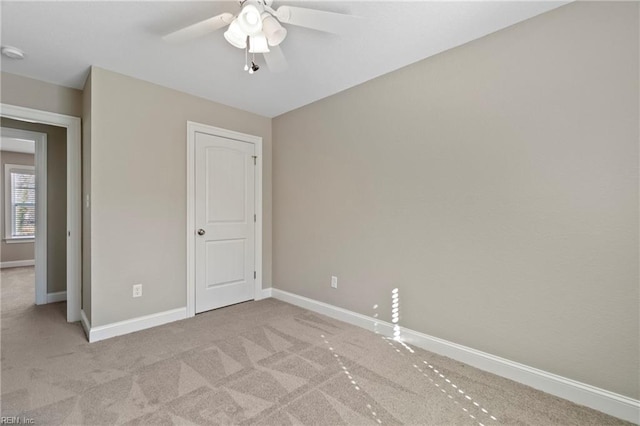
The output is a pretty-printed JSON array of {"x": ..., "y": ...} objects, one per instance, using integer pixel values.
[
  {"x": 40, "y": 245},
  {"x": 74, "y": 183},
  {"x": 192, "y": 129}
]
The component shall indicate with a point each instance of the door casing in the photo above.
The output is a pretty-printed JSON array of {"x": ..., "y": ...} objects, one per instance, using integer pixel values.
[{"x": 192, "y": 129}]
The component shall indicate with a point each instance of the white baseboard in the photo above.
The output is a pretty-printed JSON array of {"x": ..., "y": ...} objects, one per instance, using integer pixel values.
[
  {"x": 265, "y": 294},
  {"x": 599, "y": 399},
  {"x": 103, "y": 332},
  {"x": 60, "y": 296},
  {"x": 17, "y": 263}
]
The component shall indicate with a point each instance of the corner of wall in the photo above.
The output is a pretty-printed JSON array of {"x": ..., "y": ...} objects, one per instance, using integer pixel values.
[{"x": 87, "y": 96}]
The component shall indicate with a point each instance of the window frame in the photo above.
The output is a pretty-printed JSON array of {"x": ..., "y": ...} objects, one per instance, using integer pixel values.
[{"x": 8, "y": 202}]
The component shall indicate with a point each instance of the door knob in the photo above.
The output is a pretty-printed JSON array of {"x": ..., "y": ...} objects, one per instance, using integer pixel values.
[{"x": 201, "y": 232}]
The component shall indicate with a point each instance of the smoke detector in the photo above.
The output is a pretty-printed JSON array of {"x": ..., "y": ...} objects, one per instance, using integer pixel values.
[{"x": 12, "y": 52}]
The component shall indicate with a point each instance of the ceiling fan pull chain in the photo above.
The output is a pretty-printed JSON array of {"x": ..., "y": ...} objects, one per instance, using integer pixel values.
[
  {"x": 246, "y": 58},
  {"x": 254, "y": 67}
]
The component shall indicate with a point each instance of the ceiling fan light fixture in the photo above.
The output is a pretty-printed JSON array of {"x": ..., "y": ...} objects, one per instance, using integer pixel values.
[
  {"x": 250, "y": 20},
  {"x": 272, "y": 29},
  {"x": 284, "y": 14},
  {"x": 235, "y": 36},
  {"x": 258, "y": 44}
]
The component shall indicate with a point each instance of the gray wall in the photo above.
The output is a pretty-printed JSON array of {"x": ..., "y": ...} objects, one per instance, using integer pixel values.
[
  {"x": 495, "y": 184},
  {"x": 56, "y": 200},
  {"x": 138, "y": 192},
  {"x": 11, "y": 252}
]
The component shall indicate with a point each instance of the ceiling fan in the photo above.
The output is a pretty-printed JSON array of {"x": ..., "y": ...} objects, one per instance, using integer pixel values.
[{"x": 257, "y": 29}]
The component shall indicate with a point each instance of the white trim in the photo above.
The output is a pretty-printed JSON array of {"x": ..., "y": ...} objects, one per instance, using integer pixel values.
[
  {"x": 599, "y": 399},
  {"x": 17, "y": 263},
  {"x": 265, "y": 293},
  {"x": 86, "y": 324},
  {"x": 20, "y": 240},
  {"x": 191, "y": 210},
  {"x": 72, "y": 125},
  {"x": 192, "y": 129},
  {"x": 22, "y": 146},
  {"x": 102, "y": 332},
  {"x": 258, "y": 226},
  {"x": 60, "y": 296},
  {"x": 40, "y": 248}
]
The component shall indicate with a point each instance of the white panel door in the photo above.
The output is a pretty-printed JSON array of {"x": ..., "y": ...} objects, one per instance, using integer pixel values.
[{"x": 225, "y": 221}]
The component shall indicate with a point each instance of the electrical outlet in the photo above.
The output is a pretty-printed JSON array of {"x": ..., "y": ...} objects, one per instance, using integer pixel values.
[
  {"x": 137, "y": 290},
  {"x": 334, "y": 282}
]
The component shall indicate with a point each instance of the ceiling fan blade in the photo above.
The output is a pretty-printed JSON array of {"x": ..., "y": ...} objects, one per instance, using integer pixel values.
[
  {"x": 199, "y": 29},
  {"x": 330, "y": 22},
  {"x": 276, "y": 62}
]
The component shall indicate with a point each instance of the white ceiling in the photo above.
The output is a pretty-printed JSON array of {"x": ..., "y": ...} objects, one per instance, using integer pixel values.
[{"x": 62, "y": 39}]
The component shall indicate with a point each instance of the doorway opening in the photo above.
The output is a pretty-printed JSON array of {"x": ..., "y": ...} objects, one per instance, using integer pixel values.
[
  {"x": 23, "y": 202},
  {"x": 62, "y": 205}
]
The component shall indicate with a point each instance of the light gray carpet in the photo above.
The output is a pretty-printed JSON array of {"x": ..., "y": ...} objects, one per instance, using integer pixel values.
[{"x": 264, "y": 362}]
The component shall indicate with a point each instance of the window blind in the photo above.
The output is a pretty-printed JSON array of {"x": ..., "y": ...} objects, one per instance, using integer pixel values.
[{"x": 23, "y": 204}]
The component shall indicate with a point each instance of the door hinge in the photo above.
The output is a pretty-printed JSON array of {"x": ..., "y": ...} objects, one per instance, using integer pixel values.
[
  {"x": 255, "y": 219},
  {"x": 254, "y": 275},
  {"x": 255, "y": 157}
]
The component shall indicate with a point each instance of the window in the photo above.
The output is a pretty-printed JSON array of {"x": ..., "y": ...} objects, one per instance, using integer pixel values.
[{"x": 20, "y": 202}]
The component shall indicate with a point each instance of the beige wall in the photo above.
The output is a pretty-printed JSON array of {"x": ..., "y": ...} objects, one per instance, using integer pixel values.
[
  {"x": 11, "y": 252},
  {"x": 496, "y": 185},
  {"x": 30, "y": 93},
  {"x": 56, "y": 200},
  {"x": 138, "y": 192},
  {"x": 36, "y": 94}
]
